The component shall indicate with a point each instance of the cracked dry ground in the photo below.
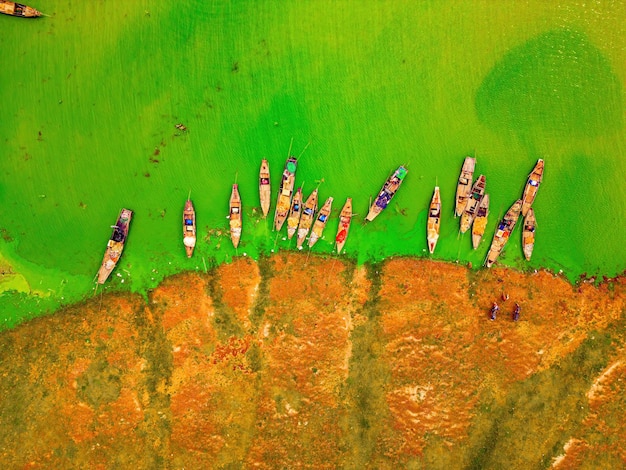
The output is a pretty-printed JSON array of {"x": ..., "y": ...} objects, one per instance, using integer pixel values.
[{"x": 296, "y": 362}]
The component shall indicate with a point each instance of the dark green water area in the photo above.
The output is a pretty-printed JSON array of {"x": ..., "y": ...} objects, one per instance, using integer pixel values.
[{"x": 91, "y": 96}]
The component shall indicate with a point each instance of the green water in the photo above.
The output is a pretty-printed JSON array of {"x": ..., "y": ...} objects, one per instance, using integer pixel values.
[{"x": 91, "y": 96}]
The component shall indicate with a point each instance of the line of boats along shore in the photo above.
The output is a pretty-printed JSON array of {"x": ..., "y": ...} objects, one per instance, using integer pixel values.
[{"x": 304, "y": 219}]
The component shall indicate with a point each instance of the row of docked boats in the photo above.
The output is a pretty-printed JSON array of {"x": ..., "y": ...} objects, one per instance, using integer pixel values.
[{"x": 18, "y": 9}]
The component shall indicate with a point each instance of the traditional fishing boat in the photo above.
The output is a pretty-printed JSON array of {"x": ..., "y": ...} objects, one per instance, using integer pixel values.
[
  {"x": 532, "y": 186},
  {"x": 306, "y": 219},
  {"x": 265, "y": 192},
  {"x": 464, "y": 186},
  {"x": 284, "y": 194},
  {"x": 294, "y": 213},
  {"x": 320, "y": 222},
  {"x": 434, "y": 219},
  {"x": 478, "y": 191},
  {"x": 480, "y": 221},
  {"x": 189, "y": 228},
  {"x": 235, "y": 215},
  {"x": 18, "y": 9},
  {"x": 115, "y": 246},
  {"x": 387, "y": 192},
  {"x": 528, "y": 235},
  {"x": 503, "y": 232},
  {"x": 345, "y": 218}
]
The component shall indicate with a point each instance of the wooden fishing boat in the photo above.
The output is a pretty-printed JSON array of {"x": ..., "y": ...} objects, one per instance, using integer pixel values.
[
  {"x": 478, "y": 191},
  {"x": 503, "y": 232},
  {"x": 189, "y": 228},
  {"x": 115, "y": 246},
  {"x": 532, "y": 186},
  {"x": 345, "y": 219},
  {"x": 320, "y": 222},
  {"x": 387, "y": 192},
  {"x": 464, "y": 186},
  {"x": 307, "y": 217},
  {"x": 284, "y": 194},
  {"x": 528, "y": 235},
  {"x": 480, "y": 221},
  {"x": 235, "y": 216},
  {"x": 265, "y": 191},
  {"x": 294, "y": 213},
  {"x": 18, "y": 9},
  {"x": 434, "y": 219}
]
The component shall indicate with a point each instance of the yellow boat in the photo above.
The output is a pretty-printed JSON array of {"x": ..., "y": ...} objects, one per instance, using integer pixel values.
[
  {"x": 306, "y": 219},
  {"x": 18, "y": 9},
  {"x": 345, "y": 218},
  {"x": 265, "y": 191},
  {"x": 532, "y": 186},
  {"x": 235, "y": 216},
  {"x": 294, "y": 213},
  {"x": 189, "y": 228},
  {"x": 320, "y": 222},
  {"x": 434, "y": 219},
  {"x": 480, "y": 221},
  {"x": 503, "y": 232},
  {"x": 464, "y": 186},
  {"x": 115, "y": 246},
  {"x": 478, "y": 191},
  {"x": 287, "y": 183},
  {"x": 528, "y": 235}
]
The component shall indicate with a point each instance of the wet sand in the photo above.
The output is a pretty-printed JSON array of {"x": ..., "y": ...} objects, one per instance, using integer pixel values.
[{"x": 297, "y": 362}]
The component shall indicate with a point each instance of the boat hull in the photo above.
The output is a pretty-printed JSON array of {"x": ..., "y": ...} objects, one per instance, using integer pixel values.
[
  {"x": 235, "y": 216},
  {"x": 528, "y": 235},
  {"x": 345, "y": 219},
  {"x": 287, "y": 183},
  {"x": 388, "y": 191},
  {"x": 320, "y": 222},
  {"x": 307, "y": 217},
  {"x": 19, "y": 10},
  {"x": 189, "y": 228},
  {"x": 265, "y": 191},
  {"x": 294, "y": 214},
  {"x": 476, "y": 196},
  {"x": 464, "y": 185},
  {"x": 434, "y": 220},
  {"x": 480, "y": 221},
  {"x": 115, "y": 245},
  {"x": 503, "y": 232},
  {"x": 532, "y": 187}
]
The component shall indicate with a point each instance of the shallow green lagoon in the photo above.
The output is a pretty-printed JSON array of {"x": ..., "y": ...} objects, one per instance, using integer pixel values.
[{"x": 91, "y": 97}]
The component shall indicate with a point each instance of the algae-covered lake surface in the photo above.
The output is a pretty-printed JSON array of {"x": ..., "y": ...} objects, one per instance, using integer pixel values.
[{"x": 92, "y": 94}]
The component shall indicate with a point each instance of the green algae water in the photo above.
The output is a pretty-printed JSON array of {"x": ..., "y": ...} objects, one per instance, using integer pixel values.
[{"x": 91, "y": 97}]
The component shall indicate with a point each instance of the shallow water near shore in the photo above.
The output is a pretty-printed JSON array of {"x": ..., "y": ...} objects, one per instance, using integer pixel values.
[{"x": 92, "y": 96}]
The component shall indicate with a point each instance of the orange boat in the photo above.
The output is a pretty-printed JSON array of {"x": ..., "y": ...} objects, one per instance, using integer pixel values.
[
  {"x": 19, "y": 10},
  {"x": 265, "y": 191},
  {"x": 320, "y": 222},
  {"x": 503, "y": 232},
  {"x": 306, "y": 219},
  {"x": 532, "y": 186},
  {"x": 287, "y": 183},
  {"x": 480, "y": 221},
  {"x": 345, "y": 218},
  {"x": 478, "y": 191},
  {"x": 464, "y": 186},
  {"x": 235, "y": 216},
  {"x": 434, "y": 219},
  {"x": 115, "y": 246},
  {"x": 189, "y": 228},
  {"x": 294, "y": 213},
  {"x": 528, "y": 234}
]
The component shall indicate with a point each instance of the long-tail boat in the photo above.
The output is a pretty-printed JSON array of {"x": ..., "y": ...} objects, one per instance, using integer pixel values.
[
  {"x": 115, "y": 246},
  {"x": 345, "y": 218},
  {"x": 480, "y": 221},
  {"x": 235, "y": 215},
  {"x": 307, "y": 217},
  {"x": 18, "y": 9},
  {"x": 189, "y": 227},
  {"x": 284, "y": 194},
  {"x": 503, "y": 232},
  {"x": 532, "y": 186},
  {"x": 265, "y": 191},
  {"x": 387, "y": 192},
  {"x": 320, "y": 222},
  {"x": 464, "y": 186},
  {"x": 294, "y": 213},
  {"x": 434, "y": 219},
  {"x": 528, "y": 234},
  {"x": 478, "y": 191}
]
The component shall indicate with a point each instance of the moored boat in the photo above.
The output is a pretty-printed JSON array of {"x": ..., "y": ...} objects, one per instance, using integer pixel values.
[
  {"x": 320, "y": 222},
  {"x": 464, "y": 186},
  {"x": 387, "y": 192},
  {"x": 528, "y": 234},
  {"x": 503, "y": 232},
  {"x": 478, "y": 191},
  {"x": 306, "y": 219},
  {"x": 294, "y": 213},
  {"x": 265, "y": 191},
  {"x": 115, "y": 246},
  {"x": 480, "y": 221},
  {"x": 284, "y": 194},
  {"x": 18, "y": 9},
  {"x": 532, "y": 186},
  {"x": 434, "y": 219},
  {"x": 235, "y": 215},
  {"x": 345, "y": 218},
  {"x": 189, "y": 228}
]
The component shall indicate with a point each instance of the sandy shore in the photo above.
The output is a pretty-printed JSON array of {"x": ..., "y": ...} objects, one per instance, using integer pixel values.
[{"x": 296, "y": 363}]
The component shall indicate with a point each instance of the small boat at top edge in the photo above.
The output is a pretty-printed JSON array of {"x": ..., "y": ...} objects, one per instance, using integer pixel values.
[
  {"x": 387, "y": 192},
  {"x": 265, "y": 191},
  {"x": 235, "y": 216},
  {"x": 307, "y": 217},
  {"x": 18, "y": 9},
  {"x": 528, "y": 234},
  {"x": 345, "y": 219},
  {"x": 464, "y": 186},
  {"x": 320, "y": 222},
  {"x": 478, "y": 191},
  {"x": 434, "y": 219},
  {"x": 480, "y": 221},
  {"x": 532, "y": 186},
  {"x": 503, "y": 232},
  {"x": 287, "y": 183},
  {"x": 115, "y": 246},
  {"x": 189, "y": 228}
]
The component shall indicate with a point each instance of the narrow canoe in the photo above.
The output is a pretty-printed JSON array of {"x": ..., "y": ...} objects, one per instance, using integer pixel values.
[
  {"x": 115, "y": 246},
  {"x": 387, "y": 192},
  {"x": 464, "y": 186},
  {"x": 294, "y": 213},
  {"x": 235, "y": 216},
  {"x": 345, "y": 218},
  {"x": 19, "y": 10},
  {"x": 532, "y": 186},
  {"x": 320, "y": 222},
  {"x": 480, "y": 221},
  {"x": 434, "y": 219},
  {"x": 478, "y": 191},
  {"x": 265, "y": 191},
  {"x": 503, "y": 232},
  {"x": 287, "y": 183},
  {"x": 189, "y": 228},
  {"x": 528, "y": 235},
  {"x": 307, "y": 217}
]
